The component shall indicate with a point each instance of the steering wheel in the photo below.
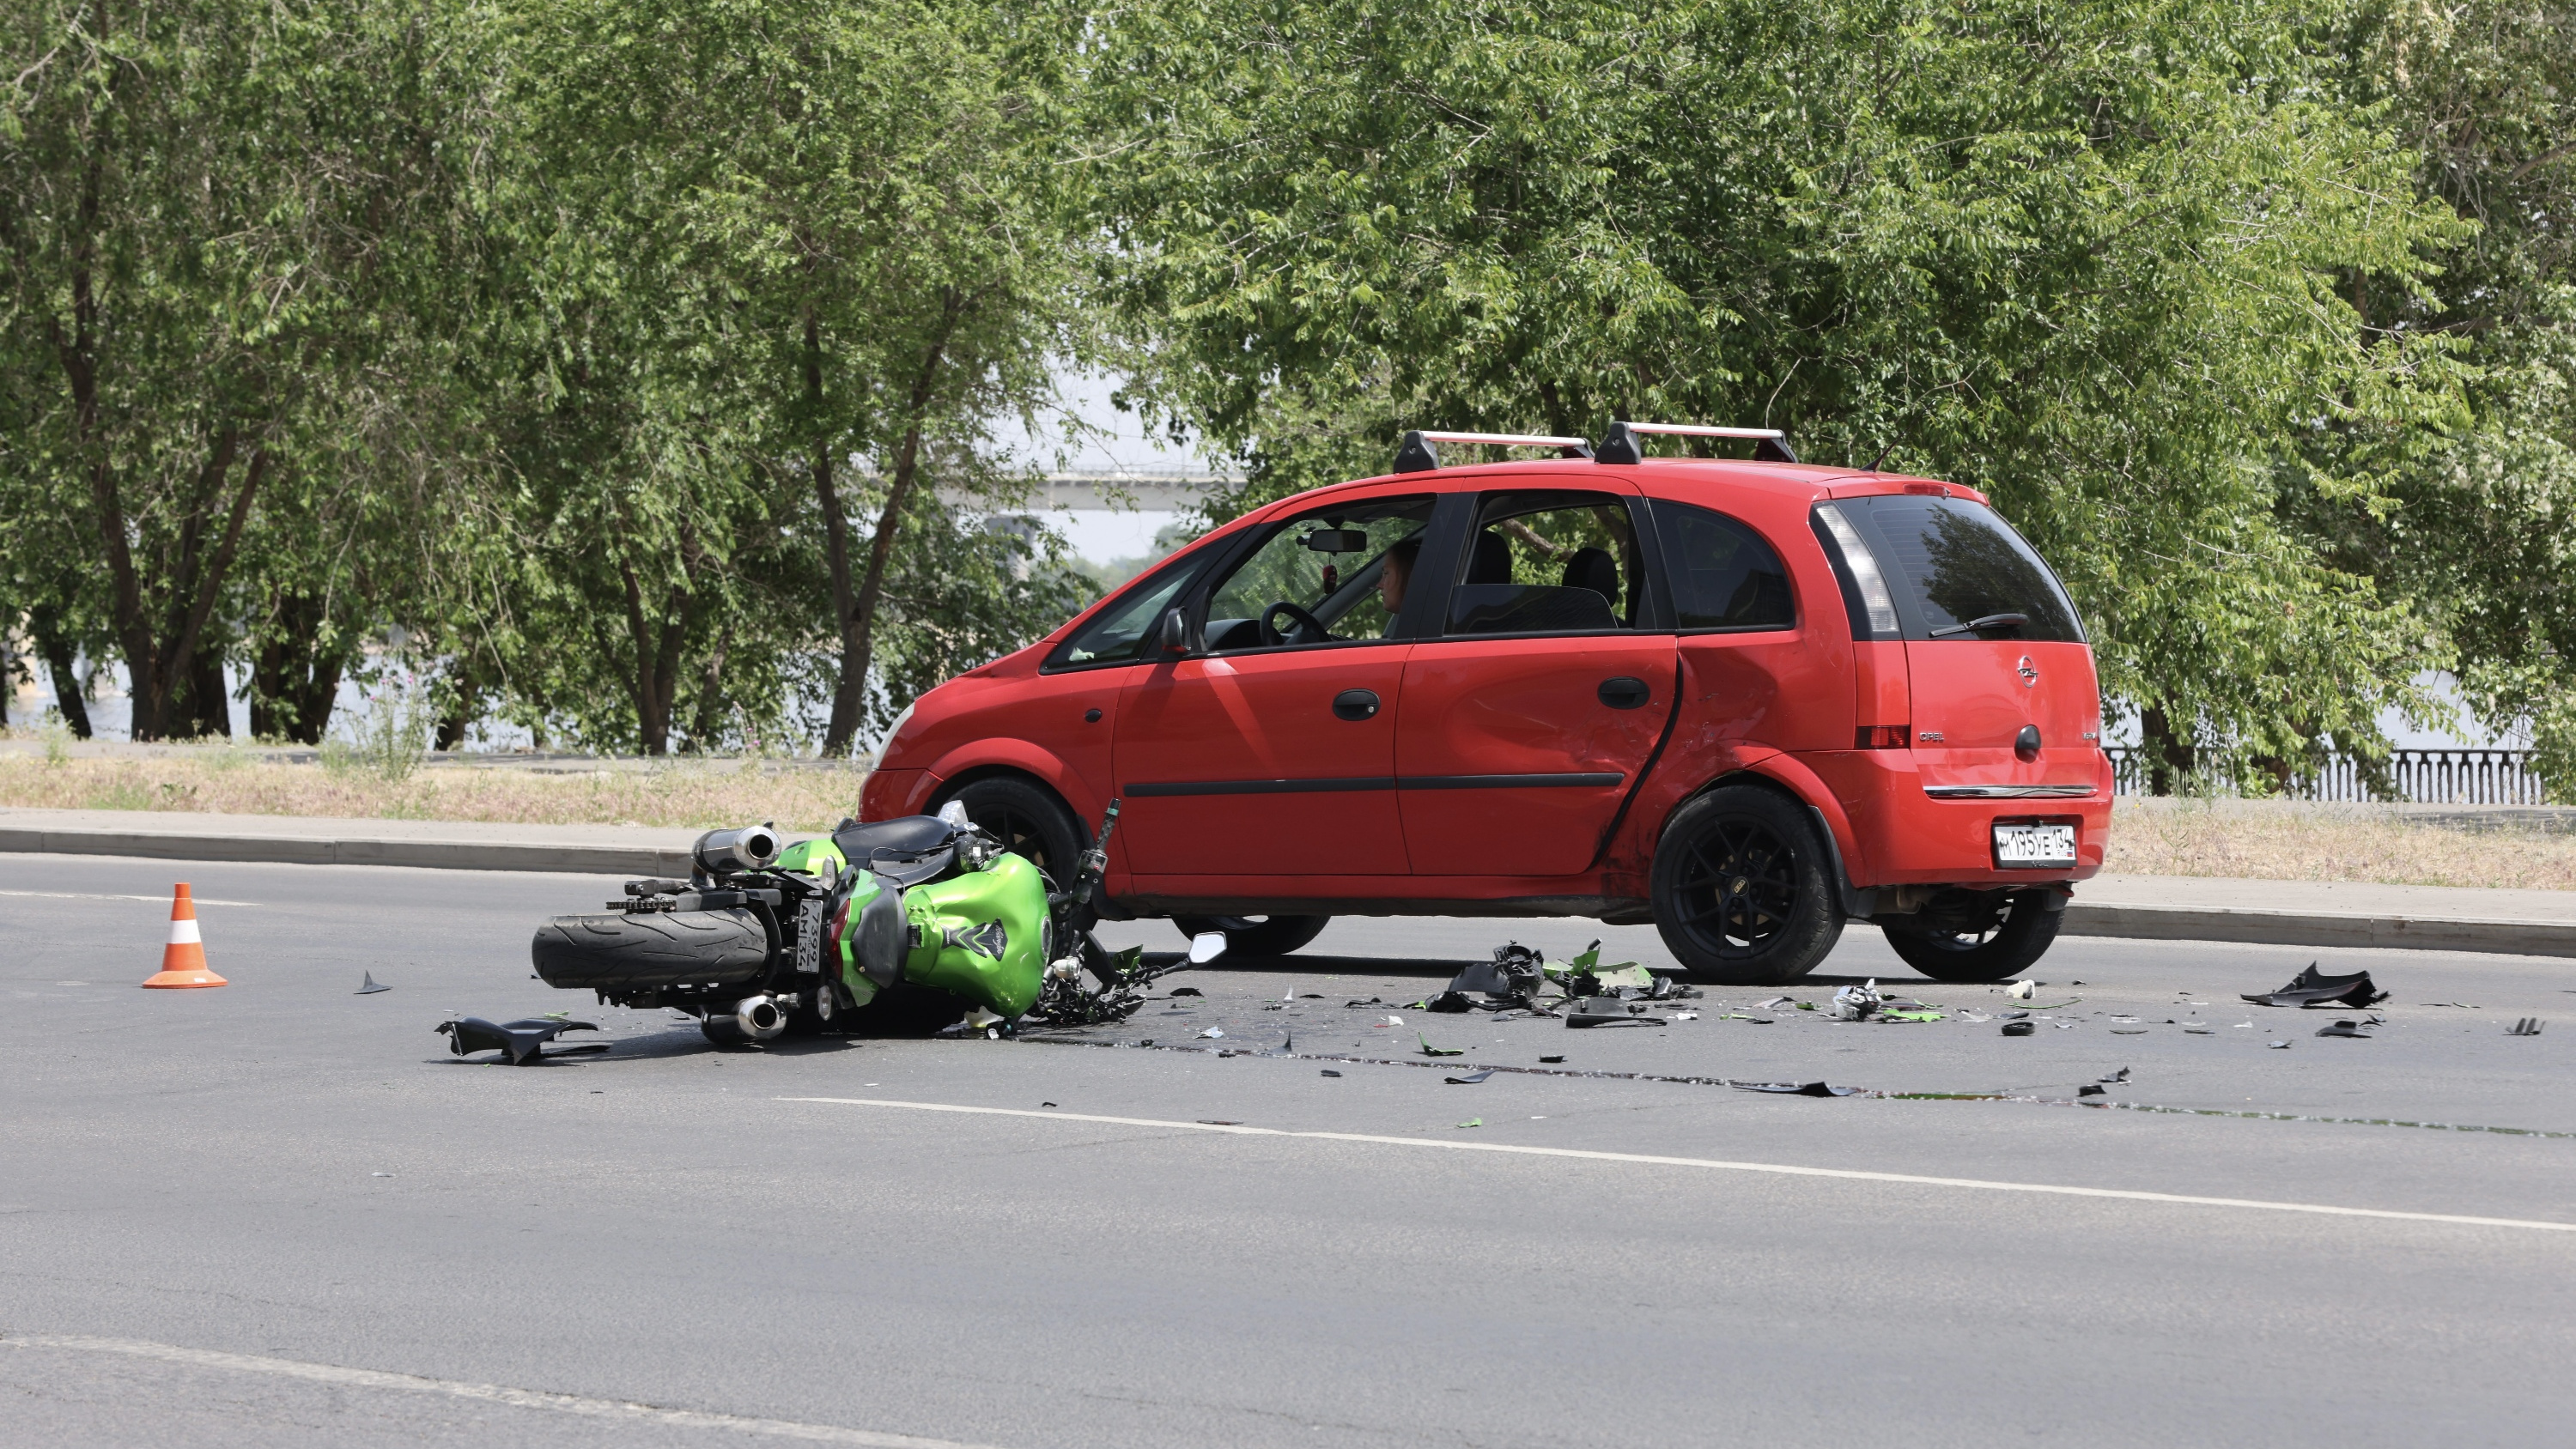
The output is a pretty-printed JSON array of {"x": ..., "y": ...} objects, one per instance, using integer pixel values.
[{"x": 1272, "y": 638}]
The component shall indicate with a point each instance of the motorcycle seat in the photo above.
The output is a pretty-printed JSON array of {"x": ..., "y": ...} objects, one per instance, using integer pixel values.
[{"x": 880, "y": 840}]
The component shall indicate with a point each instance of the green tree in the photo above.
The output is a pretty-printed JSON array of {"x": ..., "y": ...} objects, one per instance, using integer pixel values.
[
  {"x": 839, "y": 240},
  {"x": 212, "y": 216},
  {"x": 2092, "y": 259},
  {"x": 2485, "y": 536}
]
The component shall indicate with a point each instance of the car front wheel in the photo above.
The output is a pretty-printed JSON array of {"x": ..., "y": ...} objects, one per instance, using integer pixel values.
[
  {"x": 1997, "y": 942},
  {"x": 1741, "y": 891},
  {"x": 1256, "y": 935}
]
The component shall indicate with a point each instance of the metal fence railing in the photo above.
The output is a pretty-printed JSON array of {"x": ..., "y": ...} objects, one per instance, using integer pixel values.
[{"x": 2423, "y": 777}]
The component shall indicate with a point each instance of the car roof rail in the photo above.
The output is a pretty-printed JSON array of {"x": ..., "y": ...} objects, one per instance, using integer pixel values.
[
  {"x": 1620, "y": 444},
  {"x": 1418, "y": 454}
]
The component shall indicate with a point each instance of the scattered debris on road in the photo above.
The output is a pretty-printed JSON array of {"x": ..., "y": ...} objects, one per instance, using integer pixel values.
[
  {"x": 2020, "y": 1028},
  {"x": 2527, "y": 1026},
  {"x": 1857, "y": 1003},
  {"x": 2313, "y": 988},
  {"x": 1469, "y": 1080},
  {"x": 370, "y": 986},
  {"x": 1796, "y": 1089},
  {"x": 522, "y": 1040}
]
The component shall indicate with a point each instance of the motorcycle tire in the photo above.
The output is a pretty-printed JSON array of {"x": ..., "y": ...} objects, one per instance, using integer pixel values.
[{"x": 619, "y": 951}]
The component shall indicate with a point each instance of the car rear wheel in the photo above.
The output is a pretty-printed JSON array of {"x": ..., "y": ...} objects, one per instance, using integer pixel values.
[
  {"x": 1741, "y": 892},
  {"x": 1999, "y": 941},
  {"x": 1256, "y": 935},
  {"x": 1029, "y": 821}
]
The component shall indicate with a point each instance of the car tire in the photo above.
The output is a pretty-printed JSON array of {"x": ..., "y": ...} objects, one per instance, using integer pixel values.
[
  {"x": 2020, "y": 933},
  {"x": 1256, "y": 935},
  {"x": 1742, "y": 894},
  {"x": 1029, "y": 820}
]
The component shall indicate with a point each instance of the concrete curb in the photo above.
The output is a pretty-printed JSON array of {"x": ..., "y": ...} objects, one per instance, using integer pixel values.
[
  {"x": 2083, "y": 918},
  {"x": 2311, "y": 928},
  {"x": 628, "y": 860}
]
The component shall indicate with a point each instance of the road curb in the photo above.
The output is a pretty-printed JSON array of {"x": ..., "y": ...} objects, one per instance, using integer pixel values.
[
  {"x": 629, "y": 860},
  {"x": 2237, "y": 925},
  {"x": 2083, "y": 918}
]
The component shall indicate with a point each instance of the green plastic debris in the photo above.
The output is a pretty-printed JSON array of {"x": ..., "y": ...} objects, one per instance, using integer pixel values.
[
  {"x": 1429, "y": 1050},
  {"x": 1473, "y": 1122},
  {"x": 1805, "y": 1005},
  {"x": 1909, "y": 1016}
]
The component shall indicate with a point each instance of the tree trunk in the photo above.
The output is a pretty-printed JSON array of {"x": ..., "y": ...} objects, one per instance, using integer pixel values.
[
  {"x": 293, "y": 683},
  {"x": 858, "y": 607},
  {"x": 70, "y": 693},
  {"x": 656, "y": 683},
  {"x": 2171, "y": 758}
]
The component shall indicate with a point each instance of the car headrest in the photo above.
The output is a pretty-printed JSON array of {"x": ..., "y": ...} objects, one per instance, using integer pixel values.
[
  {"x": 1593, "y": 568},
  {"x": 1493, "y": 561}
]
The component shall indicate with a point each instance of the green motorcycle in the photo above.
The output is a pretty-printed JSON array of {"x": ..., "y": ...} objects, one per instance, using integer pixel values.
[{"x": 765, "y": 937}]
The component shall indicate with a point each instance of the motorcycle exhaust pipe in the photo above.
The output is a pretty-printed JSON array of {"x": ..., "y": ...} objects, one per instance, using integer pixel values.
[
  {"x": 752, "y": 847},
  {"x": 759, "y": 1018}
]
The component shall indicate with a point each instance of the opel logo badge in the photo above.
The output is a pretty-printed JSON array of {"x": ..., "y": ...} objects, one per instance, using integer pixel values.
[{"x": 2029, "y": 673}]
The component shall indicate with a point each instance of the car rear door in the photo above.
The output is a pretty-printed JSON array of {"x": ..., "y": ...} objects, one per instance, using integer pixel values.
[{"x": 1528, "y": 714}]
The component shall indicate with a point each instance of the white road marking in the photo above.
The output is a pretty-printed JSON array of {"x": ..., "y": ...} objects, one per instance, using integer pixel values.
[
  {"x": 1776, "y": 1168},
  {"x": 96, "y": 896},
  {"x": 325, "y": 1373}
]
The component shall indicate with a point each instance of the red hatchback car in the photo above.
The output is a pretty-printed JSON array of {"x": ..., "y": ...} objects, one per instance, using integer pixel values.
[{"x": 1749, "y": 701}]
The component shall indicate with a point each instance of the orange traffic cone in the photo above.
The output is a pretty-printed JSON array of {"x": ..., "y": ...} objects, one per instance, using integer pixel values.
[{"x": 183, "y": 961}]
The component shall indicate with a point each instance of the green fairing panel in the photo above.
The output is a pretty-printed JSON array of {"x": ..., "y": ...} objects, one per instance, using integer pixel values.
[
  {"x": 845, "y": 960},
  {"x": 982, "y": 935},
  {"x": 808, "y": 857}
]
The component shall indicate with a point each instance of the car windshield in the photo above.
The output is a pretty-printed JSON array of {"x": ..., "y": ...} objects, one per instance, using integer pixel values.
[{"x": 1967, "y": 572}]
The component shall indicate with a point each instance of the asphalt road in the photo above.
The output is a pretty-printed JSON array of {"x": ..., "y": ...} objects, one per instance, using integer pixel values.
[{"x": 280, "y": 1214}]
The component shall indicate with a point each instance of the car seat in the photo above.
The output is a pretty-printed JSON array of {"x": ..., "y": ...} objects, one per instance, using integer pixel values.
[
  {"x": 1492, "y": 563},
  {"x": 1594, "y": 569}
]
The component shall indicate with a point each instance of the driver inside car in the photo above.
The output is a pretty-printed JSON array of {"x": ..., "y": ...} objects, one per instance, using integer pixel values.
[{"x": 1392, "y": 578}]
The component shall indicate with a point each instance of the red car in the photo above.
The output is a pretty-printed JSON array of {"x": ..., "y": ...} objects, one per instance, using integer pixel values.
[{"x": 1749, "y": 701}]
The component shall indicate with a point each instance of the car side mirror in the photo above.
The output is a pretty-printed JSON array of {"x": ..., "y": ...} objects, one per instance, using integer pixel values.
[{"x": 1172, "y": 636}]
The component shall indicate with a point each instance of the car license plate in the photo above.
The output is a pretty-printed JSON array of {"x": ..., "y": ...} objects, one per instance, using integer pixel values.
[{"x": 2027, "y": 847}]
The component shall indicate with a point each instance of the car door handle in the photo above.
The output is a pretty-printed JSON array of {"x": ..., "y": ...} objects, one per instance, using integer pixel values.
[
  {"x": 1355, "y": 704},
  {"x": 1624, "y": 692}
]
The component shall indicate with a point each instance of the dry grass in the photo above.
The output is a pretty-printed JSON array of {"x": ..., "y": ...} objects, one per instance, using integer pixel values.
[
  {"x": 680, "y": 794},
  {"x": 2279, "y": 840},
  {"x": 2262, "y": 840}
]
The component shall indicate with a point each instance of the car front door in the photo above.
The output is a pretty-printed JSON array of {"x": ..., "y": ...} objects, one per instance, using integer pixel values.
[
  {"x": 1528, "y": 717},
  {"x": 1270, "y": 749}
]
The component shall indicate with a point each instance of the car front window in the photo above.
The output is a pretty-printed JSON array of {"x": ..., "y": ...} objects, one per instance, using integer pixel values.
[{"x": 1316, "y": 578}]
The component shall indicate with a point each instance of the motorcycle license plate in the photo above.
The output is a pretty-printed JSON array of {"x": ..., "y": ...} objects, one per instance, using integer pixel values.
[{"x": 2032, "y": 847}]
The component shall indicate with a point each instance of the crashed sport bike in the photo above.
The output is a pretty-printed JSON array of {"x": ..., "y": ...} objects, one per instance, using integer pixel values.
[{"x": 766, "y": 937}]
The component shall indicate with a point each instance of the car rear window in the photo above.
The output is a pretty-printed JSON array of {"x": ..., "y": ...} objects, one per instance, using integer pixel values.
[
  {"x": 1723, "y": 575},
  {"x": 1957, "y": 563}
]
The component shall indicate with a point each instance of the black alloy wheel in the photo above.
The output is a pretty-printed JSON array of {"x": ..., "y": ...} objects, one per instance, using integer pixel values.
[
  {"x": 1028, "y": 820},
  {"x": 1741, "y": 892},
  {"x": 1997, "y": 939},
  {"x": 1256, "y": 935}
]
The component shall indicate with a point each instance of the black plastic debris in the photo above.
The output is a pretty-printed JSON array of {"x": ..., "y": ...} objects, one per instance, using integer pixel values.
[
  {"x": 2527, "y": 1026},
  {"x": 1187, "y": 991},
  {"x": 2020, "y": 1028},
  {"x": 2091, "y": 1089},
  {"x": 1452, "y": 1003},
  {"x": 372, "y": 985},
  {"x": 2344, "y": 1028},
  {"x": 1609, "y": 1011},
  {"x": 522, "y": 1040},
  {"x": 1550, "y": 1061},
  {"x": 1795, "y": 1089},
  {"x": 2115, "y": 1079},
  {"x": 1469, "y": 1080},
  {"x": 1328, "y": 1071},
  {"x": 2313, "y": 988}
]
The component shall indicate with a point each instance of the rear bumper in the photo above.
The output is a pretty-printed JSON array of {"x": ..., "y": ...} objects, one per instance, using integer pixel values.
[{"x": 1910, "y": 836}]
